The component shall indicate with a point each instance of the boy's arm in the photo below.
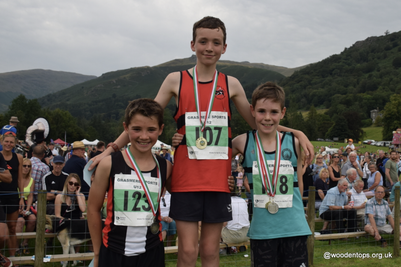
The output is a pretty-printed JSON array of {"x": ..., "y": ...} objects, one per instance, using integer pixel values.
[
  {"x": 238, "y": 144},
  {"x": 168, "y": 176},
  {"x": 168, "y": 89},
  {"x": 299, "y": 169},
  {"x": 95, "y": 202},
  {"x": 237, "y": 95},
  {"x": 303, "y": 140}
]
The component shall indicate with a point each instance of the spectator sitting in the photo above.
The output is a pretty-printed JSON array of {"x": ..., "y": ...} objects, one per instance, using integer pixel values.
[
  {"x": 26, "y": 216},
  {"x": 352, "y": 163},
  {"x": 351, "y": 177},
  {"x": 321, "y": 186},
  {"x": 69, "y": 206},
  {"x": 335, "y": 207},
  {"x": 377, "y": 211},
  {"x": 317, "y": 166},
  {"x": 53, "y": 183},
  {"x": 359, "y": 199},
  {"x": 76, "y": 164},
  {"x": 165, "y": 154},
  {"x": 374, "y": 179},
  {"x": 235, "y": 231},
  {"x": 334, "y": 170},
  {"x": 365, "y": 168},
  {"x": 240, "y": 179},
  {"x": 169, "y": 229}
]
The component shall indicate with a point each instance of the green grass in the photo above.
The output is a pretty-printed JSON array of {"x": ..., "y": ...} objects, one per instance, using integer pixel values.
[{"x": 374, "y": 133}]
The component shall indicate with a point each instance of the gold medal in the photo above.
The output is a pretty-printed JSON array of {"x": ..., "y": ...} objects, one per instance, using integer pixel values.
[
  {"x": 201, "y": 143},
  {"x": 154, "y": 228}
]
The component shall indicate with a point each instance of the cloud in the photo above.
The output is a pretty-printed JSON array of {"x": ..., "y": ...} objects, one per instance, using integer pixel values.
[{"x": 93, "y": 37}]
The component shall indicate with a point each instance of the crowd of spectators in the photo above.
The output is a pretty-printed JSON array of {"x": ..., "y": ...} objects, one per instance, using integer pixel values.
[{"x": 343, "y": 182}]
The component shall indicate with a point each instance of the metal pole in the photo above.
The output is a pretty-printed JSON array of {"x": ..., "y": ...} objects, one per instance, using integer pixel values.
[
  {"x": 311, "y": 221},
  {"x": 396, "y": 247}
]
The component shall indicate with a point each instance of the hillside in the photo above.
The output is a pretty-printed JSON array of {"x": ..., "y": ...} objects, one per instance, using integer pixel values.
[
  {"x": 35, "y": 83},
  {"x": 361, "y": 78},
  {"x": 109, "y": 94},
  {"x": 192, "y": 60}
]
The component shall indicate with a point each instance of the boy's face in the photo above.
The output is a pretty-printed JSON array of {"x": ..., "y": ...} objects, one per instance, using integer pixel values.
[
  {"x": 208, "y": 45},
  {"x": 267, "y": 114},
  {"x": 143, "y": 132}
]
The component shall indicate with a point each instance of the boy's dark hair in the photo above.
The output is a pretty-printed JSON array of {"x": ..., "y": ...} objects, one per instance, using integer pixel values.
[
  {"x": 209, "y": 23},
  {"x": 146, "y": 107},
  {"x": 269, "y": 90}
]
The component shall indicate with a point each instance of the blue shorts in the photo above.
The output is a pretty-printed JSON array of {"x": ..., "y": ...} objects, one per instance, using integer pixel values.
[{"x": 171, "y": 228}]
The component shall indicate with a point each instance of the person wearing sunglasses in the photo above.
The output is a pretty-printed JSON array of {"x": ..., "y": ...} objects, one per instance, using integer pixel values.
[
  {"x": 26, "y": 216},
  {"x": 71, "y": 202},
  {"x": 9, "y": 196},
  {"x": 334, "y": 170}
]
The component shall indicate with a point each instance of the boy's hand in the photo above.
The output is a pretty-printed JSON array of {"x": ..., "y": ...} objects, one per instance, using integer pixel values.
[
  {"x": 97, "y": 159},
  {"x": 306, "y": 146},
  {"x": 231, "y": 183},
  {"x": 176, "y": 140}
]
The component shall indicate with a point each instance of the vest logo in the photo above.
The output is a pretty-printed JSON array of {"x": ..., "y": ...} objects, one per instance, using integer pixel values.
[
  {"x": 287, "y": 154},
  {"x": 220, "y": 93}
]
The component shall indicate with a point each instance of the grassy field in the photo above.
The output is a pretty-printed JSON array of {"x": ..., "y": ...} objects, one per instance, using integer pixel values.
[{"x": 374, "y": 133}]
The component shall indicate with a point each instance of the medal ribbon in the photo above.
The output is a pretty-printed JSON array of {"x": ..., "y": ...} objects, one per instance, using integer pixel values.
[
  {"x": 269, "y": 180},
  {"x": 143, "y": 181},
  {"x": 196, "y": 92}
]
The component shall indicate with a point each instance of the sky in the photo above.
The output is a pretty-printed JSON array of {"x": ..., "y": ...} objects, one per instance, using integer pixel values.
[{"x": 93, "y": 37}]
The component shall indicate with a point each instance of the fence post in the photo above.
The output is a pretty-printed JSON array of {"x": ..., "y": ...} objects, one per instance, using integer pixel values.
[
  {"x": 311, "y": 221},
  {"x": 396, "y": 247},
  {"x": 40, "y": 229}
]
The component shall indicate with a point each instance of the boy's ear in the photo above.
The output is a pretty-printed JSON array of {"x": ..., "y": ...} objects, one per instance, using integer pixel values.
[
  {"x": 224, "y": 48},
  {"x": 161, "y": 129},
  {"x": 283, "y": 112},
  {"x": 125, "y": 127},
  {"x": 252, "y": 110},
  {"x": 193, "y": 46}
]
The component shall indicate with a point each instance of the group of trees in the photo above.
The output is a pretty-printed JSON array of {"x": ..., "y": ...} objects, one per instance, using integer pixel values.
[{"x": 61, "y": 122}]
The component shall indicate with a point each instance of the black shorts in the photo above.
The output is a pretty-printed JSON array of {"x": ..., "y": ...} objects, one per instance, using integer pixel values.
[
  {"x": 289, "y": 251},
  {"x": 208, "y": 207},
  {"x": 151, "y": 258},
  {"x": 10, "y": 203}
]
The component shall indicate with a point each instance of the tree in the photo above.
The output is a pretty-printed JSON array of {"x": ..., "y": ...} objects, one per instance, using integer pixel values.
[
  {"x": 311, "y": 124},
  {"x": 392, "y": 116},
  {"x": 397, "y": 62},
  {"x": 339, "y": 128},
  {"x": 27, "y": 111}
]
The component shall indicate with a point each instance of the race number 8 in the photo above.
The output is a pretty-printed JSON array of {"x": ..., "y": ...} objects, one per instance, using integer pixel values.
[{"x": 283, "y": 188}]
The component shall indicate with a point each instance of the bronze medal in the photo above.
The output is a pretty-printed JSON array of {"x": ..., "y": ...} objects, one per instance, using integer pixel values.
[
  {"x": 154, "y": 228},
  {"x": 201, "y": 143}
]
